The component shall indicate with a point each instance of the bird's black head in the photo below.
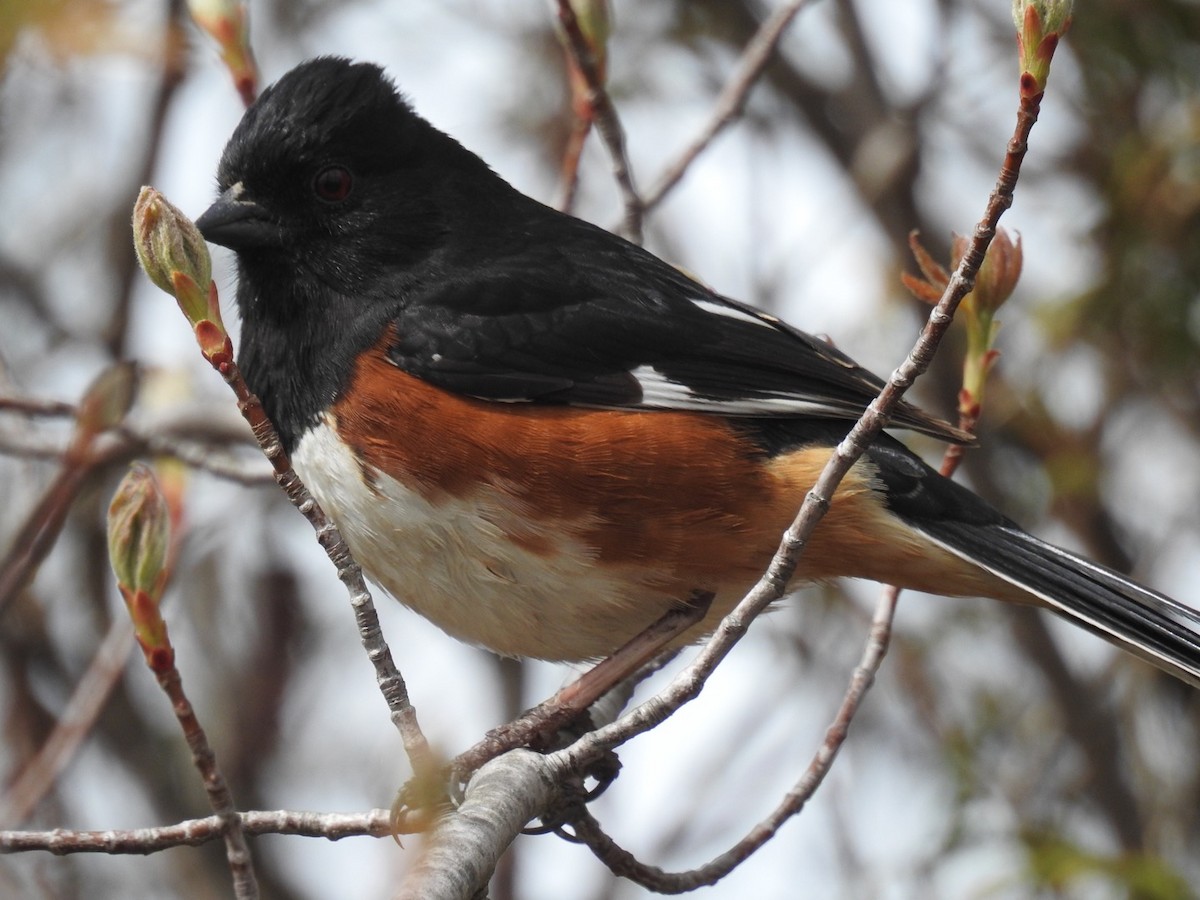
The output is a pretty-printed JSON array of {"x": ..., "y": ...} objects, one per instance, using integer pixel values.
[
  {"x": 331, "y": 172},
  {"x": 337, "y": 199}
]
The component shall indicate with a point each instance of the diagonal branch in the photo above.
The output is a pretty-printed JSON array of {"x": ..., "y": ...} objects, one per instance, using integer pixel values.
[
  {"x": 75, "y": 724},
  {"x": 607, "y": 122},
  {"x": 731, "y": 102},
  {"x": 688, "y": 683}
]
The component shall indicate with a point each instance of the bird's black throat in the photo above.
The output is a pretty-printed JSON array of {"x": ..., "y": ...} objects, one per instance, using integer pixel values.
[{"x": 299, "y": 343}]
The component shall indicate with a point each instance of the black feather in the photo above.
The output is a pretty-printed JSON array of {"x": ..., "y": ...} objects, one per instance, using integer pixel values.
[
  {"x": 1148, "y": 624},
  {"x": 1144, "y": 622}
]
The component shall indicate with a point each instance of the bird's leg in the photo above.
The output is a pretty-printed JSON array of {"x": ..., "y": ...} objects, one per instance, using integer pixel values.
[{"x": 538, "y": 727}]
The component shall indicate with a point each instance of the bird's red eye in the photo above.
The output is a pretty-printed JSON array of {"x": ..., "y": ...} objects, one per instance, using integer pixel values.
[{"x": 332, "y": 184}]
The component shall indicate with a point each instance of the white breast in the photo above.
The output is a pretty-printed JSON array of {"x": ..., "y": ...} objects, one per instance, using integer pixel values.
[{"x": 455, "y": 561}]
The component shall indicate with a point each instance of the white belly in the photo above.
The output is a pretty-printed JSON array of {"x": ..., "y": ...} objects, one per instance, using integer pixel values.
[{"x": 455, "y": 561}]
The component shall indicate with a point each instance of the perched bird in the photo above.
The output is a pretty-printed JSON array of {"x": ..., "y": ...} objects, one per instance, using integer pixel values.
[{"x": 541, "y": 436}]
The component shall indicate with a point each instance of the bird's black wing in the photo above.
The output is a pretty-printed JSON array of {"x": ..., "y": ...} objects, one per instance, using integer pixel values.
[{"x": 591, "y": 320}]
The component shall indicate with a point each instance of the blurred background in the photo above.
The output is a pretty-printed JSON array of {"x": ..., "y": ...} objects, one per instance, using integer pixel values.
[{"x": 1000, "y": 755}]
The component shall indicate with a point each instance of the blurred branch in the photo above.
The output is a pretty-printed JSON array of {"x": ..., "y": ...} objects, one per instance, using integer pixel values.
[
  {"x": 24, "y": 283},
  {"x": 174, "y": 62},
  {"x": 36, "y": 535},
  {"x": 78, "y": 717},
  {"x": 127, "y": 443},
  {"x": 189, "y": 438},
  {"x": 1078, "y": 705},
  {"x": 194, "y": 832},
  {"x": 1094, "y": 731},
  {"x": 731, "y": 102},
  {"x": 595, "y": 26},
  {"x": 29, "y": 406},
  {"x": 607, "y": 122},
  {"x": 845, "y": 119}
]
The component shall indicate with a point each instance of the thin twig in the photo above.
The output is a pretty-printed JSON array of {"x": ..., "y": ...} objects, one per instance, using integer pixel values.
[
  {"x": 607, "y": 122},
  {"x": 391, "y": 683},
  {"x": 41, "y": 527},
  {"x": 237, "y": 853},
  {"x": 873, "y": 654},
  {"x": 193, "y": 832},
  {"x": 731, "y": 102},
  {"x": 125, "y": 444},
  {"x": 175, "y": 59},
  {"x": 622, "y": 862}
]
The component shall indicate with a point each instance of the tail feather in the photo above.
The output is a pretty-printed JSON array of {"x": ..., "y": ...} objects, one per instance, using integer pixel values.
[{"x": 1148, "y": 624}]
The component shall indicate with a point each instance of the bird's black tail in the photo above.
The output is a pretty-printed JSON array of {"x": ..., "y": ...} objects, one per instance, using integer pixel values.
[{"x": 1148, "y": 624}]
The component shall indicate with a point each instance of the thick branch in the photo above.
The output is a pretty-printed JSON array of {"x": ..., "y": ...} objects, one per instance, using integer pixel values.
[{"x": 463, "y": 847}]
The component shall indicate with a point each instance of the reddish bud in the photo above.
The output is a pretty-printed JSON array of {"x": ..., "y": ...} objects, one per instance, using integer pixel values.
[
  {"x": 226, "y": 23},
  {"x": 214, "y": 342},
  {"x": 933, "y": 285},
  {"x": 594, "y": 21},
  {"x": 1040, "y": 24},
  {"x": 998, "y": 275}
]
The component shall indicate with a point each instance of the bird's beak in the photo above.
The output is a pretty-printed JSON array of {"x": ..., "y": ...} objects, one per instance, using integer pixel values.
[{"x": 238, "y": 223}]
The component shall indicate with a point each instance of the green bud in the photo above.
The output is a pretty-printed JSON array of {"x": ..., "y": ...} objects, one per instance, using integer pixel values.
[
  {"x": 1055, "y": 15},
  {"x": 595, "y": 25},
  {"x": 192, "y": 299},
  {"x": 1040, "y": 25},
  {"x": 139, "y": 533},
  {"x": 167, "y": 242},
  {"x": 174, "y": 255}
]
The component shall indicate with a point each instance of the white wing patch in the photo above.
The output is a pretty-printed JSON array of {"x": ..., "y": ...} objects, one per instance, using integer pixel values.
[
  {"x": 661, "y": 392},
  {"x": 732, "y": 312}
]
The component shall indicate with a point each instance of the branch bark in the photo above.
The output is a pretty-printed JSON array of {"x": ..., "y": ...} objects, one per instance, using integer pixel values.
[{"x": 463, "y": 848}]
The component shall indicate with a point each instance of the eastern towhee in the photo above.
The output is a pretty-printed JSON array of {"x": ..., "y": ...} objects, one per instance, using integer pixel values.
[{"x": 539, "y": 435}]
